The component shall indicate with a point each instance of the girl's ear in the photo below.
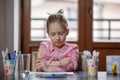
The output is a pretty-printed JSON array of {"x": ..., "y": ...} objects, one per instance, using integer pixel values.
[{"x": 67, "y": 31}]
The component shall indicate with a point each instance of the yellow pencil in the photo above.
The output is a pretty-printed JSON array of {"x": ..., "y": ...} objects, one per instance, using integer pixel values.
[{"x": 40, "y": 52}]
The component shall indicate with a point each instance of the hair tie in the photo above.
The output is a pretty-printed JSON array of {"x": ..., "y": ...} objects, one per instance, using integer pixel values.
[
  {"x": 48, "y": 13},
  {"x": 60, "y": 11}
]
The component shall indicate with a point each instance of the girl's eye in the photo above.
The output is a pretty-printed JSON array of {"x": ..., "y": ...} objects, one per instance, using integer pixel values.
[
  {"x": 61, "y": 33},
  {"x": 52, "y": 34}
]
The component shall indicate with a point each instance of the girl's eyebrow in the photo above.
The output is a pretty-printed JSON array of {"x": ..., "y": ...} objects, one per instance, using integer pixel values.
[
  {"x": 52, "y": 32},
  {"x": 61, "y": 32},
  {"x": 58, "y": 31}
]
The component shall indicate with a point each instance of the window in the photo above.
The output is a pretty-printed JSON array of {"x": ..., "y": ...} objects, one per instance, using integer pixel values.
[
  {"x": 106, "y": 21},
  {"x": 39, "y": 10}
]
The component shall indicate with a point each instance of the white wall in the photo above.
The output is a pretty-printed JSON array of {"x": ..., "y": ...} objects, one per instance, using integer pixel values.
[
  {"x": 6, "y": 28},
  {"x": 2, "y": 29},
  {"x": 10, "y": 25},
  {"x": 6, "y": 24},
  {"x": 17, "y": 28}
]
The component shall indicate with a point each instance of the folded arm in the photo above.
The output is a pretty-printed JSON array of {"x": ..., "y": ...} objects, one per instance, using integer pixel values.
[{"x": 62, "y": 62}]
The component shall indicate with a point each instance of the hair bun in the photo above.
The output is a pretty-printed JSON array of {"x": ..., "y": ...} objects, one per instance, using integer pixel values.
[{"x": 60, "y": 11}]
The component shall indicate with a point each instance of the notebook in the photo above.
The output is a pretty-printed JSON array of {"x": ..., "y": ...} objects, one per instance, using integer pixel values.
[{"x": 110, "y": 61}]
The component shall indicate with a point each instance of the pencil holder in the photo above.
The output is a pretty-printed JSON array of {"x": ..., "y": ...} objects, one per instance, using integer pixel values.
[
  {"x": 9, "y": 67},
  {"x": 92, "y": 69}
]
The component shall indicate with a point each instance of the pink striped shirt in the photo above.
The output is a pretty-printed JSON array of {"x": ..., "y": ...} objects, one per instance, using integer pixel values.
[{"x": 68, "y": 50}]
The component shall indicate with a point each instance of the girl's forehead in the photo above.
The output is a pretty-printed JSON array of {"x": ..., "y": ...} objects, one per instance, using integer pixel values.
[
  {"x": 56, "y": 30},
  {"x": 55, "y": 26}
]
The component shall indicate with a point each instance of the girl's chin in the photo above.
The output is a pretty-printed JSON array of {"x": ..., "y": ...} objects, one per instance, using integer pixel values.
[{"x": 58, "y": 46}]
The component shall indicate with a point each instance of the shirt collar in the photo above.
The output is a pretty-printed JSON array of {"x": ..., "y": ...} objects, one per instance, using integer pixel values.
[{"x": 61, "y": 49}]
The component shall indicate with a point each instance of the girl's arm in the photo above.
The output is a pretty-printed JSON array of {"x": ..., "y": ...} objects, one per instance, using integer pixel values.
[
  {"x": 69, "y": 63},
  {"x": 63, "y": 62},
  {"x": 71, "y": 60},
  {"x": 53, "y": 66},
  {"x": 74, "y": 59}
]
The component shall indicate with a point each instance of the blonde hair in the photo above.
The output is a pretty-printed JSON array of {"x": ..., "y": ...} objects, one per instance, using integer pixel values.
[{"x": 58, "y": 17}]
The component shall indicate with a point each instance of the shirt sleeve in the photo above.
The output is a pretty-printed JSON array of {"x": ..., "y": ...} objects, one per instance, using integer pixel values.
[
  {"x": 43, "y": 50},
  {"x": 74, "y": 55}
]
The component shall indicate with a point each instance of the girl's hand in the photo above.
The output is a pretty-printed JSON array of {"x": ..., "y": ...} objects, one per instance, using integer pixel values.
[
  {"x": 40, "y": 63},
  {"x": 65, "y": 61},
  {"x": 48, "y": 69}
]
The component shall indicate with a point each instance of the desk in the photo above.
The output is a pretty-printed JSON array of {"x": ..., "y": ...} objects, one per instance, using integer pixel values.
[{"x": 76, "y": 76}]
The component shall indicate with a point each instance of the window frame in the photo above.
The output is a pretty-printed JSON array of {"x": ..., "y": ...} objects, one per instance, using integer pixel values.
[{"x": 29, "y": 46}]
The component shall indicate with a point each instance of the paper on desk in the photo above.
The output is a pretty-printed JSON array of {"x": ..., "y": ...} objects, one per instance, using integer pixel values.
[
  {"x": 69, "y": 73},
  {"x": 41, "y": 75}
]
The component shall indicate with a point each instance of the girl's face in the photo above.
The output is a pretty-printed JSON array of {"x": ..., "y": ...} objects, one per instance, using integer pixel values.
[{"x": 57, "y": 34}]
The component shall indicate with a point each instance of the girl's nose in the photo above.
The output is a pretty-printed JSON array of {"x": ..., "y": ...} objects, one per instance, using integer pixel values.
[{"x": 57, "y": 37}]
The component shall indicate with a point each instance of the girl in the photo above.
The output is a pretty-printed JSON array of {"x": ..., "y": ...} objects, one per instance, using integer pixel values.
[{"x": 57, "y": 55}]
